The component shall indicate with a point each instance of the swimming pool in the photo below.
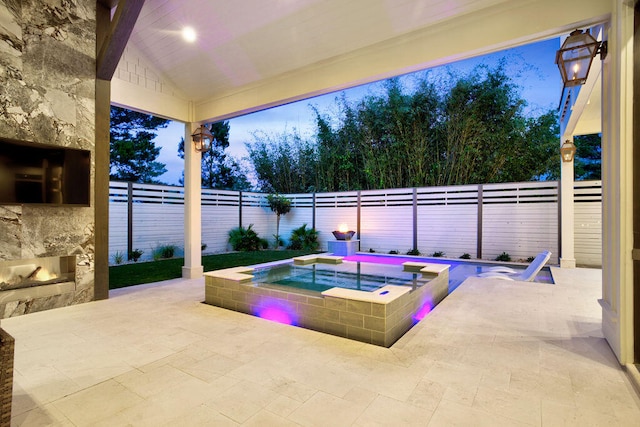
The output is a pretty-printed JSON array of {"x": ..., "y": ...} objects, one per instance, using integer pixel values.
[
  {"x": 365, "y": 297},
  {"x": 368, "y": 272}
]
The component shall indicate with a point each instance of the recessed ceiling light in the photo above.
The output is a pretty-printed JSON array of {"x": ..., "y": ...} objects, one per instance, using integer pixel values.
[{"x": 189, "y": 34}]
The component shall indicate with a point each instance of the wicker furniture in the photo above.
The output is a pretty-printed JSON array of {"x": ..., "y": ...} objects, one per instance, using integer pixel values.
[{"x": 6, "y": 377}]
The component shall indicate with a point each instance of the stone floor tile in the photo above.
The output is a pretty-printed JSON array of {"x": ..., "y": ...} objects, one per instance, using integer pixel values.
[
  {"x": 451, "y": 414},
  {"x": 385, "y": 411},
  {"x": 265, "y": 418},
  {"x": 324, "y": 409},
  {"x": 89, "y": 406},
  {"x": 492, "y": 353},
  {"x": 523, "y": 408},
  {"x": 283, "y": 406},
  {"x": 46, "y": 415},
  {"x": 242, "y": 401}
]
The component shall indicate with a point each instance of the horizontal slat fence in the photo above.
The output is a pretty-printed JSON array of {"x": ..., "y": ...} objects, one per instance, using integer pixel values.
[
  {"x": 480, "y": 220},
  {"x": 588, "y": 223}
]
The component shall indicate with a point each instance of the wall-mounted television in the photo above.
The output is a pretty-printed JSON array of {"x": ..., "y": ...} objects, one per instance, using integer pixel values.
[{"x": 43, "y": 174}]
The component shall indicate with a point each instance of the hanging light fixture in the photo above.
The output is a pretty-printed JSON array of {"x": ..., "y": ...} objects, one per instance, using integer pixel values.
[
  {"x": 567, "y": 151},
  {"x": 576, "y": 55},
  {"x": 202, "y": 139}
]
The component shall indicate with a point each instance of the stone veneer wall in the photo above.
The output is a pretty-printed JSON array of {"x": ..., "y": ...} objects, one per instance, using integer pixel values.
[{"x": 47, "y": 95}]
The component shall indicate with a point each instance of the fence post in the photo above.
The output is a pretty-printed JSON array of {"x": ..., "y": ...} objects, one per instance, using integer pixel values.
[
  {"x": 558, "y": 198},
  {"x": 129, "y": 220},
  {"x": 313, "y": 212},
  {"x": 358, "y": 222},
  {"x": 479, "y": 236},
  {"x": 415, "y": 220},
  {"x": 240, "y": 209}
]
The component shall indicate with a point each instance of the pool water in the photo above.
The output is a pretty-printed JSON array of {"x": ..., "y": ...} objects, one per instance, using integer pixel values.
[
  {"x": 371, "y": 272},
  {"x": 459, "y": 270},
  {"x": 360, "y": 276}
]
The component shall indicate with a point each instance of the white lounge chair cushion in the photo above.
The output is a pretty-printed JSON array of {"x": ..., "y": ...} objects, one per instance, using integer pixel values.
[{"x": 527, "y": 275}]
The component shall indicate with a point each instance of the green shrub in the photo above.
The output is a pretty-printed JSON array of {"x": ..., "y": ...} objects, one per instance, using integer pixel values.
[
  {"x": 503, "y": 257},
  {"x": 413, "y": 252},
  {"x": 164, "y": 252},
  {"x": 246, "y": 239},
  {"x": 135, "y": 254},
  {"x": 371, "y": 250},
  {"x": 203, "y": 246},
  {"x": 118, "y": 257},
  {"x": 394, "y": 252},
  {"x": 437, "y": 254},
  {"x": 303, "y": 238},
  {"x": 465, "y": 256},
  {"x": 531, "y": 258}
]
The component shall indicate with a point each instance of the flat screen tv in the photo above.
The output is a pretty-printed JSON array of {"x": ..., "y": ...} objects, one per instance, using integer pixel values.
[{"x": 43, "y": 174}]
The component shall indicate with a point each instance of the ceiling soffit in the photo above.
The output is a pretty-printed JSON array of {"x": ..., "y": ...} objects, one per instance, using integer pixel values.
[{"x": 257, "y": 54}]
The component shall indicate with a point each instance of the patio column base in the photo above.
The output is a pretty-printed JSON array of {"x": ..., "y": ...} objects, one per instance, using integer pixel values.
[
  {"x": 192, "y": 272},
  {"x": 567, "y": 263}
]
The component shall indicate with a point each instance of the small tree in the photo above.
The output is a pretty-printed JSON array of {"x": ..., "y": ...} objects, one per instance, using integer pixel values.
[{"x": 281, "y": 206}]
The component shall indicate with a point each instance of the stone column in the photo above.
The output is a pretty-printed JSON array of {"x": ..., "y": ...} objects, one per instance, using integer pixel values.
[{"x": 192, "y": 268}]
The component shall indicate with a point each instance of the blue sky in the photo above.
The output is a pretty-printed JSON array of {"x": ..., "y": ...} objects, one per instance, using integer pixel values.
[{"x": 532, "y": 67}]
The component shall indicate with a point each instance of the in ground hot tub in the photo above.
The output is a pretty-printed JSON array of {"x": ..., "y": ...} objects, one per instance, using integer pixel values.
[{"x": 376, "y": 304}]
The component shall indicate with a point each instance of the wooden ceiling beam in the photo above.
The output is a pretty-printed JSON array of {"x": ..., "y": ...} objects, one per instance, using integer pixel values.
[{"x": 124, "y": 19}]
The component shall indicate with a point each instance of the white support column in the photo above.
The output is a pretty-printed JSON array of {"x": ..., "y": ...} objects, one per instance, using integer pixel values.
[
  {"x": 192, "y": 268},
  {"x": 617, "y": 184},
  {"x": 567, "y": 257}
]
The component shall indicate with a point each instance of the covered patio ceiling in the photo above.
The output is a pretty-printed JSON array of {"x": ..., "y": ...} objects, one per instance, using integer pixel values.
[{"x": 255, "y": 54}]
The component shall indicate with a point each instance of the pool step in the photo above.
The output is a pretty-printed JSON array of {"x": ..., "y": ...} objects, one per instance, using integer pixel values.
[
  {"x": 313, "y": 259},
  {"x": 427, "y": 269}
]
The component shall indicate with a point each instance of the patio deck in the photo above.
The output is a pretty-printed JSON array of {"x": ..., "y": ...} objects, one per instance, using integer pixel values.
[{"x": 492, "y": 353}]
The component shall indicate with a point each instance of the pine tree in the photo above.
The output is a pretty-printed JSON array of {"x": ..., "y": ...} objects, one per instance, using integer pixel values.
[{"x": 133, "y": 152}]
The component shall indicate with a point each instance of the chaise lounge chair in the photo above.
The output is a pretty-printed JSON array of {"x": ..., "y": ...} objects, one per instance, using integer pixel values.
[{"x": 527, "y": 275}]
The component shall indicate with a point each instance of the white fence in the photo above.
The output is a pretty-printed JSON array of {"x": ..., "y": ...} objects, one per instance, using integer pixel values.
[{"x": 481, "y": 220}]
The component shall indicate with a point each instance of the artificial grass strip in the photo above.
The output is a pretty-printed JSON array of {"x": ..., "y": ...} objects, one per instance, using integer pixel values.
[{"x": 121, "y": 276}]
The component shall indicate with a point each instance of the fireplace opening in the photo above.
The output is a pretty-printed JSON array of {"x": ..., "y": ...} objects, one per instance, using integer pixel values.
[{"x": 20, "y": 274}]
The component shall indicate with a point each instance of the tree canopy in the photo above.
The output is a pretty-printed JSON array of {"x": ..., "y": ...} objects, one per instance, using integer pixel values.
[
  {"x": 133, "y": 152},
  {"x": 588, "y": 158},
  {"x": 466, "y": 130},
  {"x": 219, "y": 170}
]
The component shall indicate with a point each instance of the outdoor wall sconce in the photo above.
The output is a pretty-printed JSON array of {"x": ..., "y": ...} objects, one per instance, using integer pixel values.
[
  {"x": 202, "y": 139},
  {"x": 576, "y": 55},
  {"x": 567, "y": 151}
]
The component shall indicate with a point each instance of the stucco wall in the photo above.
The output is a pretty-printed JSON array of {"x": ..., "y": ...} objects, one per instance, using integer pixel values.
[{"x": 47, "y": 96}]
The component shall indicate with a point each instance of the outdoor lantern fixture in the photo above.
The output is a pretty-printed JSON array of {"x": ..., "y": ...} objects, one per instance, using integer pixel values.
[
  {"x": 202, "y": 139},
  {"x": 567, "y": 151},
  {"x": 576, "y": 55}
]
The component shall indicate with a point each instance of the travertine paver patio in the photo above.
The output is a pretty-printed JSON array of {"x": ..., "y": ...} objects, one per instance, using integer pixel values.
[{"x": 492, "y": 353}]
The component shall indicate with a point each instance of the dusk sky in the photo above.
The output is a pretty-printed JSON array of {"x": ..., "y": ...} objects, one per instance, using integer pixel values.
[{"x": 533, "y": 69}]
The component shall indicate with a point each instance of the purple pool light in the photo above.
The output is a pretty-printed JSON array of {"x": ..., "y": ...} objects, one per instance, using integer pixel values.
[
  {"x": 276, "y": 311},
  {"x": 424, "y": 310}
]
